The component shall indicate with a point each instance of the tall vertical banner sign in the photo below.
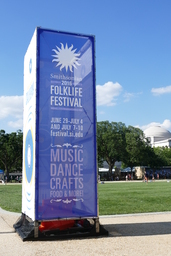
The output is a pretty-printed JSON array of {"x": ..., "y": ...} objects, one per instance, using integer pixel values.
[{"x": 59, "y": 149}]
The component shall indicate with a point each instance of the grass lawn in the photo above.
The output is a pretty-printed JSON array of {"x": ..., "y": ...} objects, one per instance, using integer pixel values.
[
  {"x": 114, "y": 198},
  {"x": 10, "y": 197},
  {"x": 134, "y": 197}
]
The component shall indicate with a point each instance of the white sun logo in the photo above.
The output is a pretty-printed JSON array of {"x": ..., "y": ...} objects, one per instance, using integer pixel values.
[{"x": 66, "y": 57}]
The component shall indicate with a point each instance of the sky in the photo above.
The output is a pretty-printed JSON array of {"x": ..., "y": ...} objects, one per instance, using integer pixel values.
[{"x": 133, "y": 55}]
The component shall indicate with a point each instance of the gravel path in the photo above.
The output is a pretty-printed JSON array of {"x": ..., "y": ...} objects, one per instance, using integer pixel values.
[{"x": 138, "y": 234}]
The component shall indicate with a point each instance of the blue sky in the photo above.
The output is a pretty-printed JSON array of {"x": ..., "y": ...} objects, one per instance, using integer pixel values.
[{"x": 133, "y": 55}]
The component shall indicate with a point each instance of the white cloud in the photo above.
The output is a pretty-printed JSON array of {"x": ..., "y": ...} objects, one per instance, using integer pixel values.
[
  {"x": 107, "y": 93},
  {"x": 11, "y": 112},
  {"x": 166, "y": 124},
  {"x": 11, "y": 106},
  {"x": 18, "y": 124},
  {"x": 161, "y": 90},
  {"x": 102, "y": 113},
  {"x": 128, "y": 96}
]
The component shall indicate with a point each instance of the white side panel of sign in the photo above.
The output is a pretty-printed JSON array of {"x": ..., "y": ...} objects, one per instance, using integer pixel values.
[{"x": 29, "y": 117}]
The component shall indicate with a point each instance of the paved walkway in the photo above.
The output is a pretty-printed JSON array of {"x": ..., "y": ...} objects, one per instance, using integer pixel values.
[{"x": 138, "y": 234}]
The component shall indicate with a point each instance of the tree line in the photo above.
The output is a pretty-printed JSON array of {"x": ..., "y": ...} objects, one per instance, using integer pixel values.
[
  {"x": 115, "y": 142},
  {"x": 11, "y": 146}
]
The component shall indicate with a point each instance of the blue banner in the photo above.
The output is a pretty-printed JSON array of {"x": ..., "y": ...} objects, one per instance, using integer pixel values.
[{"x": 66, "y": 176}]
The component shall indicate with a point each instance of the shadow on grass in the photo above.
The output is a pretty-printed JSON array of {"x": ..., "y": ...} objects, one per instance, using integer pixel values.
[{"x": 139, "y": 229}]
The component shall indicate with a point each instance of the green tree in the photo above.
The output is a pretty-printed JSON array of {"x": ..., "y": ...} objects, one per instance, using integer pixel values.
[
  {"x": 167, "y": 155},
  {"x": 11, "y": 151},
  {"x": 161, "y": 156},
  {"x": 136, "y": 148},
  {"x": 110, "y": 142}
]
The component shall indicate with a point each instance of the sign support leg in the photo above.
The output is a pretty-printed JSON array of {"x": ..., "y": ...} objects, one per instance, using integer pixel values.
[
  {"x": 36, "y": 229},
  {"x": 97, "y": 225}
]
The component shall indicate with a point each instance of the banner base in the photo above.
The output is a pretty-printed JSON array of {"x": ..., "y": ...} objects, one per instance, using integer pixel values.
[{"x": 26, "y": 229}]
